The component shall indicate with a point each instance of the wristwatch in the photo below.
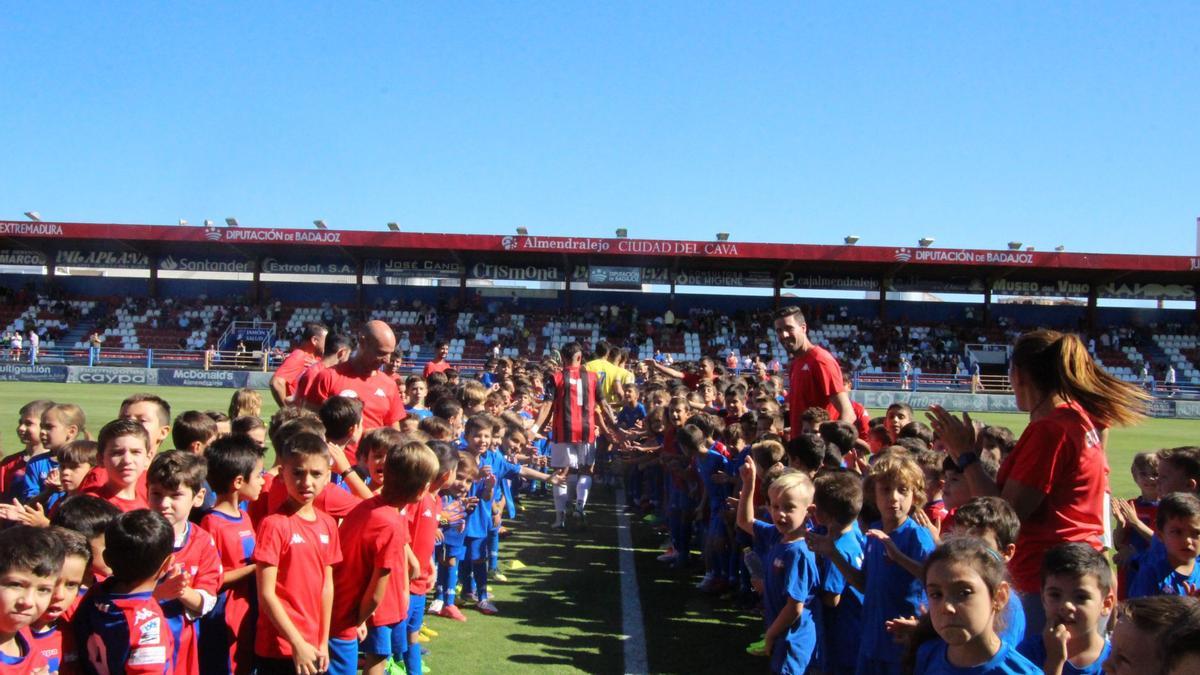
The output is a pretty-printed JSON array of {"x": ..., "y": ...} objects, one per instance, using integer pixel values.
[{"x": 966, "y": 459}]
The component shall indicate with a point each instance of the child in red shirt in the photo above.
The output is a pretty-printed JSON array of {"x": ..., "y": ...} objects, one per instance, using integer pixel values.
[
  {"x": 295, "y": 552},
  {"x": 124, "y": 456},
  {"x": 51, "y": 635},
  {"x": 30, "y": 563},
  {"x": 189, "y": 590},
  {"x": 371, "y": 583},
  {"x": 235, "y": 473}
]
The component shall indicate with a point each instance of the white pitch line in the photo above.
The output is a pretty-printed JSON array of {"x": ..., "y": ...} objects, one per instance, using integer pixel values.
[{"x": 632, "y": 626}]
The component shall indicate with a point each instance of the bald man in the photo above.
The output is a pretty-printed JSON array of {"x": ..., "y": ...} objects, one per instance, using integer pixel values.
[{"x": 360, "y": 377}]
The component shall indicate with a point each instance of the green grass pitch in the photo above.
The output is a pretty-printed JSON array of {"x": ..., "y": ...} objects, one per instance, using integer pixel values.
[{"x": 562, "y": 613}]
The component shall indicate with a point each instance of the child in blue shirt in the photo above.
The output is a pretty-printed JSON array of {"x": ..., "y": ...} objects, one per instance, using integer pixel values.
[
  {"x": 1176, "y": 572},
  {"x": 891, "y": 590},
  {"x": 714, "y": 481},
  {"x": 1078, "y": 597},
  {"x": 994, "y": 521},
  {"x": 967, "y": 591},
  {"x": 789, "y": 567},
  {"x": 838, "y": 500},
  {"x": 456, "y": 505},
  {"x": 494, "y": 467}
]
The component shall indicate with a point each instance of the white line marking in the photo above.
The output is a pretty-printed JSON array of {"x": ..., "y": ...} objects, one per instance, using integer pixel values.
[{"x": 632, "y": 627}]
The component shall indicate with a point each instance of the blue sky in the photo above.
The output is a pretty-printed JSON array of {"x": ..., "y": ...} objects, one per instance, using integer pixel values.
[{"x": 974, "y": 123}]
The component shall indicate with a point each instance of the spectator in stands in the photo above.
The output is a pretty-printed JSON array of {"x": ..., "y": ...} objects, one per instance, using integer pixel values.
[
  {"x": 439, "y": 364},
  {"x": 94, "y": 344},
  {"x": 1056, "y": 478},
  {"x": 815, "y": 378},
  {"x": 308, "y": 352}
]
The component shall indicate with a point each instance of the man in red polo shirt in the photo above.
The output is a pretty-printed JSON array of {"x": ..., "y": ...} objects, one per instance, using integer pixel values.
[
  {"x": 361, "y": 378},
  {"x": 815, "y": 379},
  {"x": 308, "y": 352},
  {"x": 439, "y": 364}
]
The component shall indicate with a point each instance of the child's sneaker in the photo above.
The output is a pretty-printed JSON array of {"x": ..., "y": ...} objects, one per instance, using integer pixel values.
[
  {"x": 394, "y": 667},
  {"x": 428, "y": 632},
  {"x": 516, "y": 565},
  {"x": 706, "y": 583},
  {"x": 435, "y": 607},
  {"x": 423, "y": 638},
  {"x": 469, "y": 597},
  {"x": 452, "y": 612},
  {"x": 668, "y": 557},
  {"x": 757, "y": 648},
  {"x": 485, "y": 606},
  {"x": 499, "y": 576}
]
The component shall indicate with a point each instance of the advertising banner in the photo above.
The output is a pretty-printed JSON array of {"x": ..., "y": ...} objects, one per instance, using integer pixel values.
[
  {"x": 23, "y": 372},
  {"x": 197, "y": 377},
  {"x": 611, "y": 276},
  {"x": 111, "y": 375}
]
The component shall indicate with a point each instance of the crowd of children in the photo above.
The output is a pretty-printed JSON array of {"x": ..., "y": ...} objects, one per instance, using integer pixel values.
[{"x": 864, "y": 547}]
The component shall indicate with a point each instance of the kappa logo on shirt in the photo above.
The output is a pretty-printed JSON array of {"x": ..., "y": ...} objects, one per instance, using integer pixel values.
[
  {"x": 778, "y": 564},
  {"x": 428, "y": 513},
  {"x": 297, "y": 539},
  {"x": 142, "y": 614},
  {"x": 150, "y": 633},
  {"x": 381, "y": 393},
  {"x": 804, "y": 368},
  {"x": 324, "y": 538},
  {"x": 348, "y": 393},
  {"x": 245, "y": 533}
]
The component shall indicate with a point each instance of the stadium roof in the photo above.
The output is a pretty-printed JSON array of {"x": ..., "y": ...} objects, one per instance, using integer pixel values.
[{"x": 547, "y": 258}]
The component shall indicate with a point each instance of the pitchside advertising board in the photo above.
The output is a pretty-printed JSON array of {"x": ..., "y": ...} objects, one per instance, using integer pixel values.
[{"x": 21, "y": 372}]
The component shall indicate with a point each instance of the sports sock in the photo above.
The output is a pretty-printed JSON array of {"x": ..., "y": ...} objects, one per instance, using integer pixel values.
[
  {"x": 451, "y": 581},
  {"x": 582, "y": 488},
  {"x": 560, "y": 499},
  {"x": 572, "y": 486}
]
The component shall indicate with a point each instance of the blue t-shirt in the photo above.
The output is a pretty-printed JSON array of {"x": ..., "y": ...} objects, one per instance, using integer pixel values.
[
  {"x": 789, "y": 573},
  {"x": 1012, "y": 626},
  {"x": 1156, "y": 576},
  {"x": 708, "y": 465},
  {"x": 1035, "y": 650},
  {"x": 891, "y": 591},
  {"x": 630, "y": 416},
  {"x": 932, "y": 660},
  {"x": 453, "y": 535},
  {"x": 34, "y": 479},
  {"x": 419, "y": 413},
  {"x": 504, "y": 471},
  {"x": 840, "y": 628}
]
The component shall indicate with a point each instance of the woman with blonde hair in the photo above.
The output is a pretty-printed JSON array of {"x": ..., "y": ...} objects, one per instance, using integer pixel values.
[{"x": 246, "y": 402}]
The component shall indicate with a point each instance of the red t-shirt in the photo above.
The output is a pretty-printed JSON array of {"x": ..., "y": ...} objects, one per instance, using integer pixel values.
[
  {"x": 373, "y": 537},
  {"x": 333, "y": 500},
  {"x": 862, "y": 419},
  {"x": 1059, "y": 455},
  {"x": 46, "y": 647},
  {"x": 304, "y": 382},
  {"x": 290, "y": 370},
  {"x": 382, "y": 404},
  {"x": 234, "y": 538},
  {"x": 108, "y": 493},
  {"x": 301, "y": 549},
  {"x": 422, "y": 526},
  {"x": 197, "y": 556},
  {"x": 432, "y": 367},
  {"x": 814, "y": 378}
]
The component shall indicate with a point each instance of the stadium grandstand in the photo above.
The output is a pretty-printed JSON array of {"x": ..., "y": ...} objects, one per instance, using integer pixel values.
[{"x": 235, "y": 298}]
